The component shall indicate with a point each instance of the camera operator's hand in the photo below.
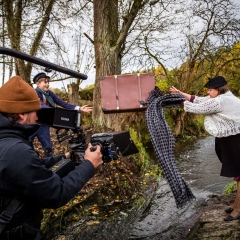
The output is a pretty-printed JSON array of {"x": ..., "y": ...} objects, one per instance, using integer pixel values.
[
  {"x": 67, "y": 155},
  {"x": 95, "y": 157}
]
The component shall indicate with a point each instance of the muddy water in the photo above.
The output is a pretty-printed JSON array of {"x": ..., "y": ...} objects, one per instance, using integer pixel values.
[{"x": 200, "y": 168}]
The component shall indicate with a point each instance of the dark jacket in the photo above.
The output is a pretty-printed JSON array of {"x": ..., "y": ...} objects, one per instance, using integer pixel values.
[
  {"x": 56, "y": 100},
  {"x": 24, "y": 174}
]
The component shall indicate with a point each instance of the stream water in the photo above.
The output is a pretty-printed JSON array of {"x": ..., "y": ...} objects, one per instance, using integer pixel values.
[{"x": 200, "y": 168}]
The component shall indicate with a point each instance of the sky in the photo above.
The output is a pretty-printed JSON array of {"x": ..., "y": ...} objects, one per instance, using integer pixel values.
[{"x": 63, "y": 84}]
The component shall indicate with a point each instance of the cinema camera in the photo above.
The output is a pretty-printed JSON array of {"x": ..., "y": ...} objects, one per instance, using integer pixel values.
[{"x": 68, "y": 127}]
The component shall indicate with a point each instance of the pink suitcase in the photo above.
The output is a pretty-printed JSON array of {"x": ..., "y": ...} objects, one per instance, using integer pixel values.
[{"x": 122, "y": 93}]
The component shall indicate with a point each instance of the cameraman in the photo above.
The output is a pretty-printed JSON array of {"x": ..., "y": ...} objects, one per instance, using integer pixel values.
[
  {"x": 49, "y": 99},
  {"x": 26, "y": 183}
]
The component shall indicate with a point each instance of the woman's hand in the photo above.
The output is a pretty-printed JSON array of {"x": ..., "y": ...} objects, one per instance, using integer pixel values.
[{"x": 172, "y": 89}]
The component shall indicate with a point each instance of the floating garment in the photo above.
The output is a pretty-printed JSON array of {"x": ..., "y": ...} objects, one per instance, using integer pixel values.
[{"x": 164, "y": 142}]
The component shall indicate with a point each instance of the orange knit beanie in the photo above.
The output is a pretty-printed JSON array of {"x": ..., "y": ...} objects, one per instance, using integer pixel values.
[{"x": 16, "y": 96}]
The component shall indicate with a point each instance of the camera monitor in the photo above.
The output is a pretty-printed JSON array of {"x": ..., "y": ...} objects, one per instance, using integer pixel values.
[{"x": 59, "y": 117}]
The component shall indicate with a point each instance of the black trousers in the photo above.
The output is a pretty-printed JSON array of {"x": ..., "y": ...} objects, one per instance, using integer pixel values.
[{"x": 23, "y": 232}]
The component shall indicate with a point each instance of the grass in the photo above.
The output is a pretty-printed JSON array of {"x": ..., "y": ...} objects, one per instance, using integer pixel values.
[{"x": 230, "y": 188}]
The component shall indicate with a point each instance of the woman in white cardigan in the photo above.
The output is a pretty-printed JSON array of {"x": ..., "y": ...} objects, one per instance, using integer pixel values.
[{"x": 222, "y": 120}]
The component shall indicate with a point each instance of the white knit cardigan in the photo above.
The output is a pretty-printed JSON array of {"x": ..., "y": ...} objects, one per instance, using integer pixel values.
[{"x": 222, "y": 113}]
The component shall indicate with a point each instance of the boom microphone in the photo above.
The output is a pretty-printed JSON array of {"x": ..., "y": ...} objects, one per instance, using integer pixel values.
[{"x": 38, "y": 61}]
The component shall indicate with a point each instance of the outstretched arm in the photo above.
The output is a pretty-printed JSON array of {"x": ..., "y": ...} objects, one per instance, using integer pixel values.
[{"x": 172, "y": 89}]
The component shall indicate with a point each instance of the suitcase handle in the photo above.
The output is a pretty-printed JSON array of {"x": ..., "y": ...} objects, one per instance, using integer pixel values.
[
  {"x": 139, "y": 89},
  {"x": 116, "y": 89}
]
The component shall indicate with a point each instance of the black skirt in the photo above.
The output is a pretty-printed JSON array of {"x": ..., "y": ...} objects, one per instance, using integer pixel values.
[{"x": 228, "y": 152}]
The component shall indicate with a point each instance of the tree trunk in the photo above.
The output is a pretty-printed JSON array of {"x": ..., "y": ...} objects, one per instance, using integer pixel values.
[
  {"x": 13, "y": 11},
  {"x": 109, "y": 44},
  {"x": 73, "y": 95},
  {"x": 107, "y": 56},
  {"x": 179, "y": 123}
]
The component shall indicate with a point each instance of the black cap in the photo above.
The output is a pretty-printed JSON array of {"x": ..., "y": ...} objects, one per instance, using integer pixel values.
[
  {"x": 216, "y": 82},
  {"x": 39, "y": 76}
]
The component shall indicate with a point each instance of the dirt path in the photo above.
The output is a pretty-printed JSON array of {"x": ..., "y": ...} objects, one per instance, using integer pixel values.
[{"x": 211, "y": 225}]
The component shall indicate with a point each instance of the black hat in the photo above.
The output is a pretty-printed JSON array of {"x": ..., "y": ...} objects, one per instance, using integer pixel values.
[
  {"x": 216, "y": 82},
  {"x": 39, "y": 76}
]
